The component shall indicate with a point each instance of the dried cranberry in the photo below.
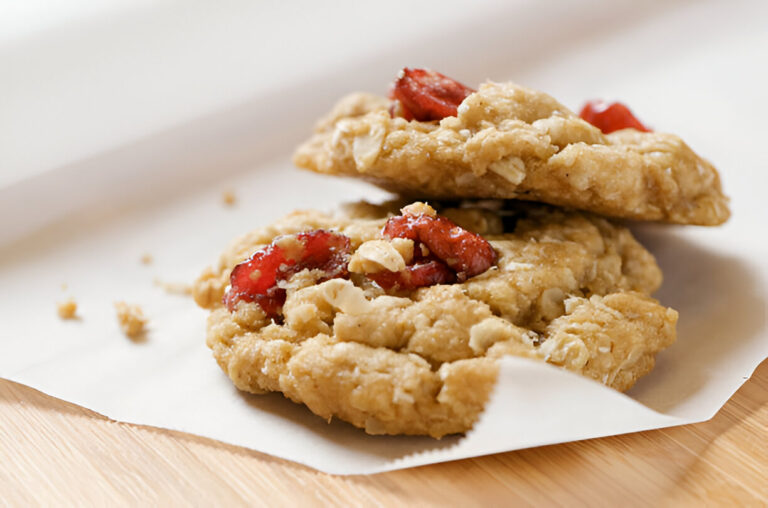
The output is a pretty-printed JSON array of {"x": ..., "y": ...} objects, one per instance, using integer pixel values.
[
  {"x": 467, "y": 253},
  {"x": 610, "y": 117},
  {"x": 452, "y": 253},
  {"x": 426, "y": 95},
  {"x": 418, "y": 275},
  {"x": 256, "y": 279}
]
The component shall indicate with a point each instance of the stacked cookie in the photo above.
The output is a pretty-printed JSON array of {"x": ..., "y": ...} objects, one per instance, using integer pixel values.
[{"x": 392, "y": 316}]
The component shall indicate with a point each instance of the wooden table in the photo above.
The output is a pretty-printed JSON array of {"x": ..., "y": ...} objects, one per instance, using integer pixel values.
[{"x": 53, "y": 452}]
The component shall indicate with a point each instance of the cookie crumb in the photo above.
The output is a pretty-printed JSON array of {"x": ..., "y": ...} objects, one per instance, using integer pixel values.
[
  {"x": 175, "y": 288},
  {"x": 130, "y": 318},
  {"x": 67, "y": 309},
  {"x": 146, "y": 259},
  {"x": 64, "y": 286},
  {"x": 229, "y": 198}
]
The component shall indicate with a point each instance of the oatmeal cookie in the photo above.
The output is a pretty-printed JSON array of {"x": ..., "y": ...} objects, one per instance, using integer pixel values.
[
  {"x": 507, "y": 141},
  {"x": 568, "y": 288}
]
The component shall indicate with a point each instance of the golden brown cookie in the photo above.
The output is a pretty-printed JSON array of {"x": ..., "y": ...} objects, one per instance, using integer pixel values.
[
  {"x": 512, "y": 142},
  {"x": 565, "y": 287}
]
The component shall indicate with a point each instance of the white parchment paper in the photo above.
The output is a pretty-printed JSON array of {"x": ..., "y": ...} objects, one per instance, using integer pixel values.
[{"x": 87, "y": 224}]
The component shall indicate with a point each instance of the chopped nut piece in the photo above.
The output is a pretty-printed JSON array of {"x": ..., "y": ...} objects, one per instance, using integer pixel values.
[
  {"x": 378, "y": 255},
  {"x": 418, "y": 208},
  {"x": 404, "y": 247},
  {"x": 510, "y": 168},
  {"x": 130, "y": 318},
  {"x": 366, "y": 148},
  {"x": 146, "y": 259},
  {"x": 67, "y": 309}
]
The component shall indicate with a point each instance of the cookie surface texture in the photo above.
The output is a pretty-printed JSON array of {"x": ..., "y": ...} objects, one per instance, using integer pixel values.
[
  {"x": 568, "y": 288},
  {"x": 512, "y": 142}
]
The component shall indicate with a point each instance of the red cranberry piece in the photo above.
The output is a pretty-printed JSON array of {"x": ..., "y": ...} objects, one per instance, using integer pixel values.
[
  {"x": 428, "y": 273},
  {"x": 610, "y": 117},
  {"x": 426, "y": 95},
  {"x": 467, "y": 253},
  {"x": 256, "y": 279}
]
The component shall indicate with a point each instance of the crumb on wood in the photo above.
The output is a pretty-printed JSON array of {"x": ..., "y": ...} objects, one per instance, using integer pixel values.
[
  {"x": 146, "y": 259},
  {"x": 174, "y": 288},
  {"x": 67, "y": 309},
  {"x": 229, "y": 198},
  {"x": 131, "y": 319}
]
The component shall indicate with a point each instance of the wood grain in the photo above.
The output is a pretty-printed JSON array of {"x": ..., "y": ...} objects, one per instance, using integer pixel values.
[{"x": 52, "y": 452}]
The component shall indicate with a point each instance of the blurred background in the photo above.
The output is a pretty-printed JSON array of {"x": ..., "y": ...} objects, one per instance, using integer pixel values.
[{"x": 181, "y": 93}]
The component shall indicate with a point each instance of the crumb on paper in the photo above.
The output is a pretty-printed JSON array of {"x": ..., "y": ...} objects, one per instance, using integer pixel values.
[
  {"x": 229, "y": 198},
  {"x": 64, "y": 286},
  {"x": 131, "y": 319},
  {"x": 146, "y": 259},
  {"x": 174, "y": 288},
  {"x": 67, "y": 309}
]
